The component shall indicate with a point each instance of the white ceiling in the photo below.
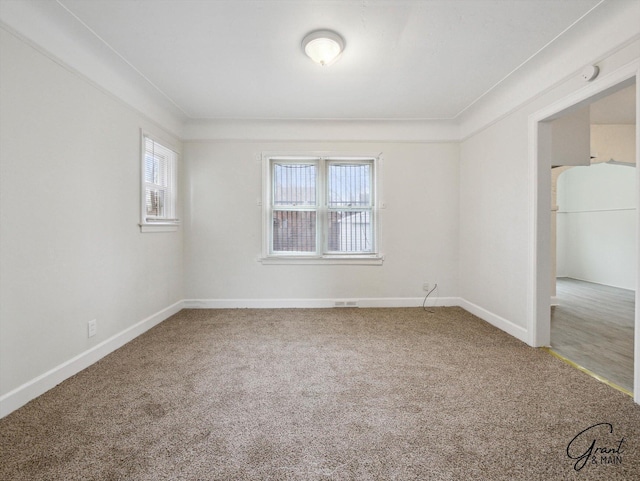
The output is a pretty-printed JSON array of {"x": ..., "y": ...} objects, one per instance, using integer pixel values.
[{"x": 241, "y": 59}]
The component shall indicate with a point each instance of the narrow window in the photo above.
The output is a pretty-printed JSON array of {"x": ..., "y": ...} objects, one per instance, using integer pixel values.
[{"x": 159, "y": 184}]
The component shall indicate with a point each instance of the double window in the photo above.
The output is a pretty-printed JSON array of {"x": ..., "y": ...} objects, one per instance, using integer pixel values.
[
  {"x": 159, "y": 184},
  {"x": 320, "y": 208}
]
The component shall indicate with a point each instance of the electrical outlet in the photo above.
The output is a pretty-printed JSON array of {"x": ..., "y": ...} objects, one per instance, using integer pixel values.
[
  {"x": 92, "y": 327},
  {"x": 426, "y": 286}
]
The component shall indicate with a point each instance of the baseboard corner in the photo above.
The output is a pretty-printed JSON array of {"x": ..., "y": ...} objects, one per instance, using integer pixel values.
[
  {"x": 495, "y": 320},
  {"x": 37, "y": 386}
]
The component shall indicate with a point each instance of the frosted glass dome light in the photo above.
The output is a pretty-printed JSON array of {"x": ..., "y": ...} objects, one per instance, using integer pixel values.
[{"x": 323, "y": 46}]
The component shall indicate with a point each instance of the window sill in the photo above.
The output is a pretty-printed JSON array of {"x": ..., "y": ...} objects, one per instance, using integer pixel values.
[
  {"x": 158, "y": 227},
  {"x": 374, "y": 260}
]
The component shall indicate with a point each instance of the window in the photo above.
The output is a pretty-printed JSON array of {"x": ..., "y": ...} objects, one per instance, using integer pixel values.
[
  {"x": 320, "y": 208},
  {"x": 159, "y": 186}
]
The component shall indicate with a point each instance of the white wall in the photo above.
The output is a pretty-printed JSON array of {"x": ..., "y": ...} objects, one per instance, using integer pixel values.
[
  {"x": 493, "y": 220},
  {"x": 613, "y": 142},
  {"x": 70, "y": 245},
  {"x": 597, "y": 224},
  {"x": 496, "y": 184},
  {"x": 223, "y": 229}
]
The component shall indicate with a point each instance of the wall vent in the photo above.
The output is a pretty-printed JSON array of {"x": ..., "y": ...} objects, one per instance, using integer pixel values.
[{"x": 346, "y": 304}]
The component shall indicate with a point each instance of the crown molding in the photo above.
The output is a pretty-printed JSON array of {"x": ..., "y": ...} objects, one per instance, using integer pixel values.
[
  {"x": 326, "y": 130},
  {"x": 50, "y": 29},
  {"x": 611, "y": 30}
]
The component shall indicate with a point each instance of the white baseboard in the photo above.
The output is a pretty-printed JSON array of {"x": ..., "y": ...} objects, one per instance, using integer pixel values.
[
  {"x": 409, "y": 302},
  {"x": 626, "y": 288},
  {"x": 493, "y": 319},
  {"x": 41, "y": 384},
  {"x": 317, "y": 303},
  {"x": 555, "y": 301},
  {"x": 500, "y": 322}
]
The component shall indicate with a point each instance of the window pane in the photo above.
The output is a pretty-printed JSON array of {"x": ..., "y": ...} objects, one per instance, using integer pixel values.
[
  {"x": 156, "y": 170},
  {"x": 294, "y": 184},
  {"x": 350, "y": 231},
  {"x": 294, "y": 231},
  {"x": 156, "y": 162},
  {"x": 155, "y": 202},
  {"x": 151, "y": 169},
  {"x": 349, "y": 185}
]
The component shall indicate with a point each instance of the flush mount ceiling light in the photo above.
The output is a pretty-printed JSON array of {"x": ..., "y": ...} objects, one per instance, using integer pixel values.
[{"x": 323, "y": 46}]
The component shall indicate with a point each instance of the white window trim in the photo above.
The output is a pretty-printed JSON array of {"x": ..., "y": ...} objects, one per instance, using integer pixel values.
[
  {"x": 160, "y": 225},
  {"x": 269, "y": 258}
]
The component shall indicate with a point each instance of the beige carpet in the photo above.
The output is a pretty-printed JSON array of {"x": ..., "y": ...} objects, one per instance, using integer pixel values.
[{"x": 327, "y": 394}]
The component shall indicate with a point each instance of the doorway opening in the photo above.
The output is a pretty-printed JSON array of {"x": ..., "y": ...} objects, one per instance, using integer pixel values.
[
  {"x": 543, "y": 254},
  {"x": 593, "y": 217}
]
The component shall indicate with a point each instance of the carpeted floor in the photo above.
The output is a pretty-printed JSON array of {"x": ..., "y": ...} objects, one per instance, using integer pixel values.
[{"x": 324, "y": 394}]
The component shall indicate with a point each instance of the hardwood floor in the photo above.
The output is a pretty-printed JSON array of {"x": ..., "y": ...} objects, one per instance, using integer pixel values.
[{"x": 593, "y": 327}]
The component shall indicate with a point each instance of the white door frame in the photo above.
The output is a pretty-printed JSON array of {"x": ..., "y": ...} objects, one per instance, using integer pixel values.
[{"x": 539, "y": 176}]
